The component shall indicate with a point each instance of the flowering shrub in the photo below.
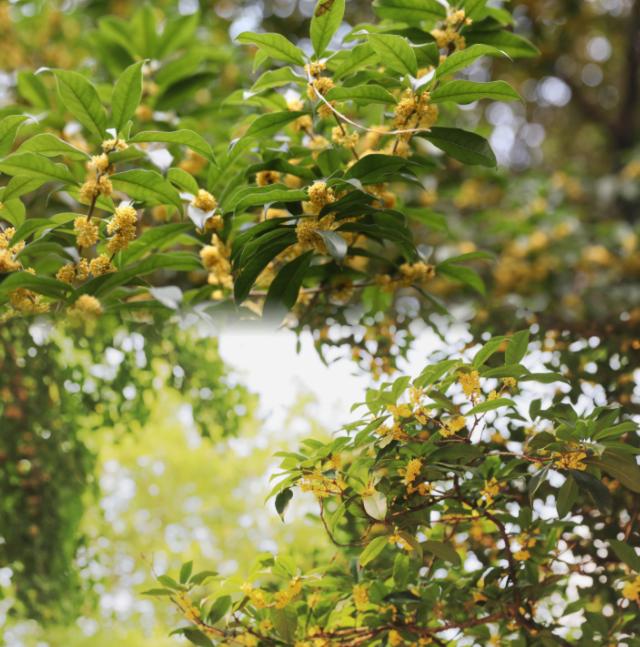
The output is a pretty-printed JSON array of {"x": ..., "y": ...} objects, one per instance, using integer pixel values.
[
  {"x": 322, "y": 215},
  {"x": 435, "y": 526}
]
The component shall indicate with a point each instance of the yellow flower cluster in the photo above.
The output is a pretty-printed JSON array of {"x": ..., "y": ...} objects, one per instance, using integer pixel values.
[
  {"x": 215, "y": 259},
  {"x": 340, "y": 135},
  {"x": 101, "y": 265},
  {"x": 509, "y": 381},
  {"x": 470, "y": 384},
  {"x": 571, "y": 461},
  {"x": 7, "y": 252},
  {"x": 631, "y": 590},
  {"x": 413, "y": 470},
  {"x": 283, "y": 598},
  {"x": 490, "y": 489},
  {"x": 343, "y": 290},
  {"x": 453, "y": 426},
  {"x": 122, "y": 228},
  {"x": 79, "y": 271},
  {"x": 187, "y": 608},
  {"x": 395, "y": 638},
  {"x": 448, "y": 36},
  {"x": 255, "y": 595},
  {"x": 360, "y": 597},
  {"x": 409, "y": 274},
  {"x": 324, "y": 111},
  {"x": 86, "y": 230},
  {"x": 396, "y": 538},
  {"x": 100, "y": 162},
  {"x": 265, "y": 626},
  {"x": 457, "y": 18},
  {"x": 204, "y": 201},
  {"x": 26, "y": 302},
  {"x": 320, "y": 85},
  {"x": 400, "y": 410},
  {"x": 301, "y": 123},
  {"x": 193, "y": 163},
  {"x": 86, "y": 307},
  {"x": 417, "y": 397},
  {"x": 522, "y": 555},
  {"x": 315, "y": 69},
  {"x": 264, "y": 178},
  {"x": 114, "y": 145},
  {"x": 320, "y": 485},
  {"x": 91, "y": 189}
]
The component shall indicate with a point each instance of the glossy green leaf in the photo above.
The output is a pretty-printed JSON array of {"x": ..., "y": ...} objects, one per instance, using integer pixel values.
[
  {"x": 282, "y": 501},
  {"x": 8, "y": 131},
  {"x": 626, "y": 554},
  {"x": 598, "y": 491},
  {"x": 361, "y": 56},
  {"x": 336, "y": 244},
  {"x": 365, "y": 94},
  {"x": 285, "y": 622},
  {"x": 49, "y": 145},
  {"x": 373, "y": 549},
  {"x": 466, "y": 275},
  {"x": 487, "y": 351},
  {"x": 13, "y": 211},
  {"x": 410, "y": 11},
  {"x": 277, "y": 78},
  {"x": 567, "y": 496},
  {"x": 19, "y": 185},
  {"x": 184, "y": 137},
  {"x": 442, "y": 551},
  {"x": 490, "y": 405},
  {"x": 43, "y": 285},
  {"x": 462, "y": 145},
  {"x": 145, "y": 185},
  {"x": 285, "y": 287},
  {"x": 82, "y": 101},
  {"x": 325, "y": 21},
  {"x": 33, "y": 89},
  {"x": 127, "y": 95},
  {"x": 183, "y": 180},
  {"x": 620, "y": 466},
  {"x": 465, "y": 92},
  {"x": 218, "y": 609},
  {"x": 270, "y": 124},
  {"x": 395, "y": 52},
  {"x": 511, "y": 44},
  {"x": 536, "y": 481},
  {"x": 460, "y": 60},
  {"x": 32, "y": 165},
  {"x": 517, "y": 347},
  {"x": 185, "y": 572},
  {"x": 275, "y": 46}
]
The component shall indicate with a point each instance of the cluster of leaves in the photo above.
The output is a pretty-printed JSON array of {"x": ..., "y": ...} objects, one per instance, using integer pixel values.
[
  {"x": 421, "y": 486},
  {"x": 53, "y": 400},
  {"x": 301, "y": 238}
]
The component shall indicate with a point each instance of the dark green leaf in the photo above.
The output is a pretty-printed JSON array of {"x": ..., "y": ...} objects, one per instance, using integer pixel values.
[
  {"x": 517, "y": 347},
  {"x": 185, "y": 137},
  {"x": 465, "y": 92},
  {"x": 285, "y": 622},
  {"x": 270, "y": 124},
  {"x": 144, "y": 185},
  {"x": 459, "y": 60},
  {"x": 567, "y": 496},
  {"x": 285, "y": 288},
  {"x": 598, "y": 491},
  {"x": 463, "y": 146},
  {"x": 442, "y": 551},
  {"x": 626, "y": 554},
  {"x": 282, "y": 501},
  {"x": 360, "y": 56},
  {"x": 127, "y": 95},
  {"x": 364, "y": 94}
]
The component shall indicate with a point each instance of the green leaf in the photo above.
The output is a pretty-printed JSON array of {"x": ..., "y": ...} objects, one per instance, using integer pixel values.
[
  {"x": 13, "y": 211},
  {"x": 49, "y": 145},
  {"x": 144, "y": 185},
  {"x": 143, "y": 25},
  {"x": 285, "y": 288},
  {"x": 376, "y": 505},
  {"x": 360, "y": 56},
  {"x": 185, "y": 137},
  {"x": 466, "y": 275},
  {"x": 177, "y": 34},
  {"x": 127, "y": 95},
  {"x": 373, "y": 549},
  {"x": 102, "y": 203},
  {"x": 463, "y": 146},
  {"x": 619, "y": 466},
  {"x": 8, "y": 131},
  {"x": 517, "y": 347},
  {"x": 35, "y": 166},
  {"x": 183, "y": 180},
  {"x": 324, "y": 23},
  {"x": 509, "y": 370},
  {"x": 490, "y": 405},
  {"x": 29, "y": 227},
  {"x": 196, "y": 637},
  {"x": 43, "y": 285},
  {"x": 364, "y": 94},
  {"x": 395, "y": 52},
  {"x": 82, "y": 101},
  {"x": 282, "y": 501},
  {"x": 33, "y": 90},
  {"x": 536, "y": 481},
  {"x": 20, "y": 185},
  {"x": 626, "y": 554},
  {"x": 270, "y": 124},
  {"x": 598, "y": 491},
  {"x": 442, "y": 551},
  {"x": 511, "y": 44},
  {"x": 275, "y": 46},
  {"x": 157, "y": 592},
  {"x": 410, "y": 11},
  {"x": 465, "y": 92},
  {"x": 487, "y": 350},
  {"x": 442, "y": 400},
  {"x": 567, "y": 496},
  {"x": 218, "y": 609},
  {"x": 336, "y": 245},
  {"x": 337, "y": 515},
  {"x": 263, "y": 255},
  {"x": 185, "y": 572},
  {"x": 473, "y": 8},
  {"x": 268, "y": 194},
  {"x": 285, "y": 622},
  {"x": 276, "y": 79},
  {"x": 459, "y": 60}
]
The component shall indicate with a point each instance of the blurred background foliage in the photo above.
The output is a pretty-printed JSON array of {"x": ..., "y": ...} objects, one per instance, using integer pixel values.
[{"x": 561, "y": 214}]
